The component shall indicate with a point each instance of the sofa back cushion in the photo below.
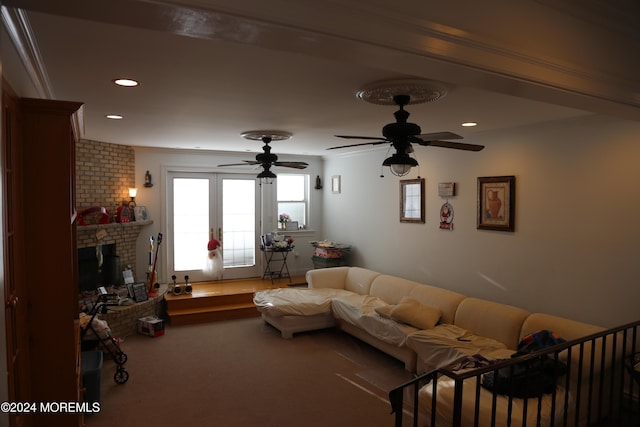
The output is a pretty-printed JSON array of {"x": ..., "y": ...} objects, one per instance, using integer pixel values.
[
  {"x": 566, "y": 328},
  {"x": 445, "y": 300},
  {"x": 359, "y": 280},
  {"x": 570, "y": 330},
  {"x": 492, "y": 320},
  {"x": 391, "y": 289},
  {"x": 334, "y": 277}
]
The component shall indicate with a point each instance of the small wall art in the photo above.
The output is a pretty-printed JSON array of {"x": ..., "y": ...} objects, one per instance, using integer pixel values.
[
  {"x": 496, "y": 203},
  {"x": 335, "y": 184},
  {"x": 412, "y": 200},
  {"x": 446, "y": 216}
]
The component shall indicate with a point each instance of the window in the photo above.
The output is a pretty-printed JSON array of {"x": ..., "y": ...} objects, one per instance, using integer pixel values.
[{"x": 293, "y": 197}]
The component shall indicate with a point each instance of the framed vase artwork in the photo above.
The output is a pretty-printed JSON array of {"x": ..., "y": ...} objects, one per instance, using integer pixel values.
[
  {"x": 412, "y": 200},
  {"x": 496, "y": 203}
]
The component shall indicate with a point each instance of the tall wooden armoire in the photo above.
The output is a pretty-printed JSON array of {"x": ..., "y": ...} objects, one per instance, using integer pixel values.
[{"x": 41, "y": 285}]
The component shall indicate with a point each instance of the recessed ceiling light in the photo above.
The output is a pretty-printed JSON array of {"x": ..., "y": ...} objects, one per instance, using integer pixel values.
[
  {"x": 114, "y": 116},
  {"x": 469, "y": 124},
  {"x": 126, "y": 82}
]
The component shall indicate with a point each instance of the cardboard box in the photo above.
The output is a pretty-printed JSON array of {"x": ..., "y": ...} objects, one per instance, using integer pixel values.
[{"x": 151, "y": 326}]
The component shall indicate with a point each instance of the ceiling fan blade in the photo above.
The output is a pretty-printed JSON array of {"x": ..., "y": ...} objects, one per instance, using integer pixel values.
[
  {"x": 454, "y": 145},
  {"x": 375, "y": 138},
  {"x": 295, "y": 165},
  {"x": 246, "y": 162},
  {"x": 439, "y": 135},
  {"x": 364, "y": 143}
]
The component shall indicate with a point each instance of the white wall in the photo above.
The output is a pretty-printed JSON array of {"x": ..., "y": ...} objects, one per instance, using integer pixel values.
[
  {"x": 159, "y": 161},
  {"x": 576, "y": 243}
]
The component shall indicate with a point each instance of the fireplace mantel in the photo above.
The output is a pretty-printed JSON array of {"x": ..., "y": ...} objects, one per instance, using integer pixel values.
[{"x": 114, "y": 225}]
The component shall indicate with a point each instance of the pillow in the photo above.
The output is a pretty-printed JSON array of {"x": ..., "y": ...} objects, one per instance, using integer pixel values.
[
  {"x": 385, "y": 310},
  {"x": 416, "y": 314}
]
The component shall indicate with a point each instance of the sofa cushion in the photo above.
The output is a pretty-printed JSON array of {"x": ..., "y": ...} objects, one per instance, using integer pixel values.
[
  {"x": 445, "y": 300},
  {"x": 508, "y": 411},
  {"x": 352, "y": 305},
  {"x": 447, "y": 344},
  {"x": 360, "y": 311},
  {"x": 385, "y": 310},
  {"x": 414, "y": 313},
  {"x": 491, "y": 319},
  {"x": 570, "y": 330},
  {"x": 334, "y": 277},
  {"x": 359, "y": 280},
  {"x": 391, "y": 288}
]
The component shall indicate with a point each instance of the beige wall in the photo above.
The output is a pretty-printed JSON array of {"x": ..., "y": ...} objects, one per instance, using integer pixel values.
[
  {"x": 576, "y": 245},
  {"x": 161, "y": 161}
]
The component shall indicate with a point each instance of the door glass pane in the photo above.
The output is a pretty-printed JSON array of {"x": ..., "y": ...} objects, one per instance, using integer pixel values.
[
  {"x": 238, "y": 222},
  {"x": 191, "y": 222}
]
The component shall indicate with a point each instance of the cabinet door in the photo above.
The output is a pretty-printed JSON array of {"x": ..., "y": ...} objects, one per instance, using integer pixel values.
[
  {"x": 15, "y": 296},
  {"x": 47, "y": 175}
]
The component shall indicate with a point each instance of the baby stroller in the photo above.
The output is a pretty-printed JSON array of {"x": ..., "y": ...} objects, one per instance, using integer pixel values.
[{"x": 102, "y": 340}]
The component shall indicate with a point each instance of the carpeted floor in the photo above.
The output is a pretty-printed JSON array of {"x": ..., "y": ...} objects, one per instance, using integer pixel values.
[{"x": 242, "y": 373}]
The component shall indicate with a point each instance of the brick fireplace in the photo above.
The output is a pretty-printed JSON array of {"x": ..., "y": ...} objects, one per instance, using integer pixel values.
[{"x": 104, "y": 174}]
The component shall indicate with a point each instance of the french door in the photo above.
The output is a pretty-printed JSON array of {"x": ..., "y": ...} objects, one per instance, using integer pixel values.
[{"x": 226, "y": 205}]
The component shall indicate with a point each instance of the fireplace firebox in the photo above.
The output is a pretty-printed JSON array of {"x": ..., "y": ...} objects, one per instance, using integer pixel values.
[{"x": 91, "y": 273}]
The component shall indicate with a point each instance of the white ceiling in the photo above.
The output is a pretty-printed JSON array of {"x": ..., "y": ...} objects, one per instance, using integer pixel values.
[{"x": 203, "y": 92}]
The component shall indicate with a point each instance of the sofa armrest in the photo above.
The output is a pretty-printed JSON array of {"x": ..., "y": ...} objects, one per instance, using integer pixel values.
[{"x": 334, "y": 277}]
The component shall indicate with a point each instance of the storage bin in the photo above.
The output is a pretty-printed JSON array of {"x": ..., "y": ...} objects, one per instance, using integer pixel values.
[{"x": 91, "y": 369}]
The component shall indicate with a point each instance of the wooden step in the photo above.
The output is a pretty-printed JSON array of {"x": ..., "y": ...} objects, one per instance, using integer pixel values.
[
  {"x": 222, "y": 300},
  {"x": 211, "y": 314}
]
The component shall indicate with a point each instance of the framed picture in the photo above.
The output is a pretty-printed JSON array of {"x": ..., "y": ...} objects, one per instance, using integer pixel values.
[
  {"x": 335, "y": 184},
  {"x": 497, "y": 203},
  {"x": 141, "y": 213},
  {"x": 291, "y": 225},
  {"x": 412, "y": 200},
  {"x": 139, "y": 292}
]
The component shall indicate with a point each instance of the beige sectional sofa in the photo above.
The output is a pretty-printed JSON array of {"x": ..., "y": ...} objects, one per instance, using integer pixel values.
[
  {"x": 355, "y": 300},
  {"x": 427, "y": 328}
]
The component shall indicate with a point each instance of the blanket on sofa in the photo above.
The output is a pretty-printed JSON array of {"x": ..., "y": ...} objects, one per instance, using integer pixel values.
[{"x": 296, "y": 302}]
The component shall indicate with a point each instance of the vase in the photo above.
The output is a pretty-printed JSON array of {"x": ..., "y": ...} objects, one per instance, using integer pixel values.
[{"x": 494, "y": 204}]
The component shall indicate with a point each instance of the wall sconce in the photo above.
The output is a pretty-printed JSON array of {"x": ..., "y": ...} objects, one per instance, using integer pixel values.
[
  {"x": 147, "y": 180},
  {"x": 133, "y": 192}
]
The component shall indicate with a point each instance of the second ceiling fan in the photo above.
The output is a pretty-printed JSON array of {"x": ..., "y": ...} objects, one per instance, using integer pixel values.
[
  {"x": 401, "y": 135},
  {"x": 266, "y": 159}
]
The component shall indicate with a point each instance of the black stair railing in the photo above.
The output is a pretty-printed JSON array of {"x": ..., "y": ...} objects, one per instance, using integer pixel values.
[{"x": 600, "y": 388}]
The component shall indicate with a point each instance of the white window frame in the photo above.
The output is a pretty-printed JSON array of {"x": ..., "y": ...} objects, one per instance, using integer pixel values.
[{"x": 305, "y": 200}]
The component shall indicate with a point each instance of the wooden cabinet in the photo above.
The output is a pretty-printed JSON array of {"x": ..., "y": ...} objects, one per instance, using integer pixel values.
[{"x": 44, "y": 261}]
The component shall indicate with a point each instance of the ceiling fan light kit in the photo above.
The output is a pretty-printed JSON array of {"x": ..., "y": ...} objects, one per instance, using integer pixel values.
[{"x": 399, "y": 164}]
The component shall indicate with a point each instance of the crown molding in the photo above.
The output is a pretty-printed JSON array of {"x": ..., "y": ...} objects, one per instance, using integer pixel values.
[
  {"x": 17, "y": 25},
  {"x": 411, "y": 39},
  {"x": 378, "y": 32}
]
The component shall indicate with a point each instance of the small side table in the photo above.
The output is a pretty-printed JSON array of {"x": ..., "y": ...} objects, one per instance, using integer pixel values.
[{"x": 272, "y": 257}]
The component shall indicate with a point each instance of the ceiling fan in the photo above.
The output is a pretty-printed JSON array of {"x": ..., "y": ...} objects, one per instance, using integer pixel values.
[
  {"x": 266, "y": 159},
  {"x": 402, "y": 134}
]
